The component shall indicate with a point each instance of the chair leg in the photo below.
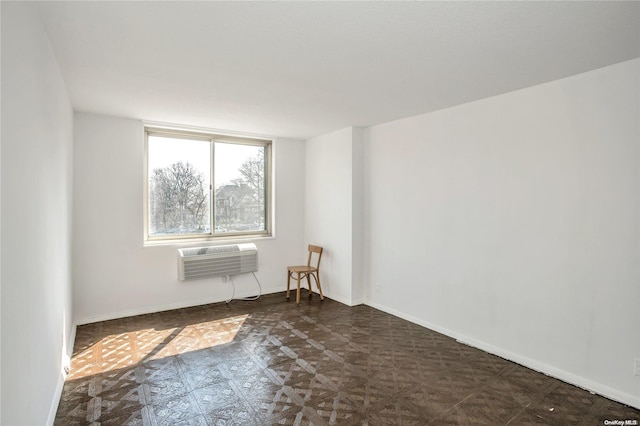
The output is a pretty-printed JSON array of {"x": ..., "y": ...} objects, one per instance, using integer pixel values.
[
  {"x": 288, "y": 283},
  {"x": 317, "y": 277},
  {"x": 309, "y": 286},
  {"x": 298, "y": 292}
]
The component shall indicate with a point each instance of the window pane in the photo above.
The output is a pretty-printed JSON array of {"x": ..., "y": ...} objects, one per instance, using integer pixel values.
[
  {"x": 240, "y": 187},
  {"x": 179, "y": 182}
]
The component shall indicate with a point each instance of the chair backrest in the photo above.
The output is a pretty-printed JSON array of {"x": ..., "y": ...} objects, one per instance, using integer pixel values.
[{"x": 318, "y": 251}]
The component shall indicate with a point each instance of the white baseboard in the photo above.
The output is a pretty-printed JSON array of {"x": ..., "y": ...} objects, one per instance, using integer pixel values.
[
  {"x": 565, "y": 376},
  {"x": 165, "y": 307},
  {"x": 343, "y": 300},
  {"x": 61, "y": 378},
  {"x": 56, "y": 401},
  {"x": 338, "y": 299}
]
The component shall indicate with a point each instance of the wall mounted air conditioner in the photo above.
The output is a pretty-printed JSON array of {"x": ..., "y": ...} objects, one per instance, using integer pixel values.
[{"x": 217, "y": 261}]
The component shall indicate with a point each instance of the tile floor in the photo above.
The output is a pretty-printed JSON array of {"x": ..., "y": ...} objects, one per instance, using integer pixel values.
[{"x": 271, "y": 362}]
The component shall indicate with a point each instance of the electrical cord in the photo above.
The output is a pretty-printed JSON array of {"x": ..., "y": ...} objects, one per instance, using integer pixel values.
[{"x": 246, "y": 299}]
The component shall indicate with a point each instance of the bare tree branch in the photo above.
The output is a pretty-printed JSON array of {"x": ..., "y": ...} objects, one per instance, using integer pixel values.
[{"x": 178, "y": 199}]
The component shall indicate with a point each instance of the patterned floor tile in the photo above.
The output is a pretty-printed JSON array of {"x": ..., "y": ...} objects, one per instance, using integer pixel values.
[
  {"x": 183, "y": 409},
  {"x": 271, "y": 362}
]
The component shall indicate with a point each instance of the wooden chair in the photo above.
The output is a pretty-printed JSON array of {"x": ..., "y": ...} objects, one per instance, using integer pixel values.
[{"x": 306, "y": 272}]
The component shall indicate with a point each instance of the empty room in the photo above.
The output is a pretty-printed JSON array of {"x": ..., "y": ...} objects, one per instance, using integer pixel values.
[{"x": 309, "y": 212}]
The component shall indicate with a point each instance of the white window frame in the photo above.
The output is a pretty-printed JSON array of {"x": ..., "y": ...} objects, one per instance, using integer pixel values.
[{"x": 211, "y": 138}]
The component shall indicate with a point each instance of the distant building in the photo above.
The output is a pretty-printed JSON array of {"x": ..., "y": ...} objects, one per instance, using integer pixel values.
[{"x": 237, "y": 208}]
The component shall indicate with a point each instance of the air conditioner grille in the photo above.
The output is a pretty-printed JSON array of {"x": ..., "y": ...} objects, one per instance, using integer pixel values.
[{"x": 201, "y": 262}]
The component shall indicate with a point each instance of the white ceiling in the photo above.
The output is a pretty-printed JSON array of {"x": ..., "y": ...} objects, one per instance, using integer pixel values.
[{"x": 302, "y": 69}]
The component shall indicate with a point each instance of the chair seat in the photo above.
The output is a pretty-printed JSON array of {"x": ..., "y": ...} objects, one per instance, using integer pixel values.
[{"x": 302, "y": 269}]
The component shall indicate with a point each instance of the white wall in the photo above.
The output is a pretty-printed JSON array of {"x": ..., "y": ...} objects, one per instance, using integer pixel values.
[
  {"x": 357, "y": 216},
  {"x": 333, "y": 207},
  {"x": 36, "y": 220},
  {"x": 512, "y": 223},
  {"x": 114, "y": 274}
]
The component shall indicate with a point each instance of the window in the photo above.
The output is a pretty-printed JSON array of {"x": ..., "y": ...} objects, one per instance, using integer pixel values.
[{"x": 205, "y": 186}]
